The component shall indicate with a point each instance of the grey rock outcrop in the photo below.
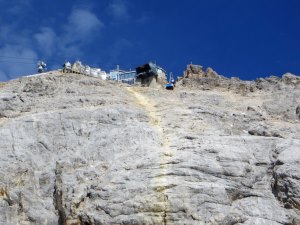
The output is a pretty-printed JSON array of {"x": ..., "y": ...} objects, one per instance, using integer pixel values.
[{"x": 76, "y": 150}]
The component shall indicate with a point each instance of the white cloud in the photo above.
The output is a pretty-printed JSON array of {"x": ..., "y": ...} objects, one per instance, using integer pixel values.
[
  {"x": 17, "y": 61},
  {"x": 17, "y": 7},
  {"x": 5, "y": 32},
  {"x": 17, "y": 55},
  {"x": 82, "y": 23},
  {"x": 119, "y": 9},
  {"x": 46, "y": 40},
  {"x": 81, "y": 28},
  {"x": 12, "y": 34},
  {"x": 21, "y": 47}
]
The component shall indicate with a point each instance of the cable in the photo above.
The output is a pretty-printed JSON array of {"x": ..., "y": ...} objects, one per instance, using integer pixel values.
[
  {"x": 15, "y": 62},
  {"x": 34, "y": 61},
  {"x": 23, "y": 58},
  {"x": 13, "y": 57}
]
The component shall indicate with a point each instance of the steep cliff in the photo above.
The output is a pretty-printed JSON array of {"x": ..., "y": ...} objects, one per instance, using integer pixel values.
[{"x": 76, "y": 150}]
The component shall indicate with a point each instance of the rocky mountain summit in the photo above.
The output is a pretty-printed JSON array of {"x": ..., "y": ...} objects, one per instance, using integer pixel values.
[{"x": 76, "y": 150}]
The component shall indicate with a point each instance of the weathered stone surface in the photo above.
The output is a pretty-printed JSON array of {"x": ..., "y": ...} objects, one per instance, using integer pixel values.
[{"x": 77, "y": 150}]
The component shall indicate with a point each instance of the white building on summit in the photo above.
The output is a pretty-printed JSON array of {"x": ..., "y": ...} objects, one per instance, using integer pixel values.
[{"x": 79, "y": 68}]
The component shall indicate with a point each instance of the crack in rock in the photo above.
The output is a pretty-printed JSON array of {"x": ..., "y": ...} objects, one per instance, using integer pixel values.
[{"x": 57, "y": 196}]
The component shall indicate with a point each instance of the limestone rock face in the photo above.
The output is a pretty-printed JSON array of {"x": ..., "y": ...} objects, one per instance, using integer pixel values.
[{"x": 77, "y": 150}]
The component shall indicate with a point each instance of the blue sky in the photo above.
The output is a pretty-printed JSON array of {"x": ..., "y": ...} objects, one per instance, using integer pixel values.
[{"x": 241, "y": 38}]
